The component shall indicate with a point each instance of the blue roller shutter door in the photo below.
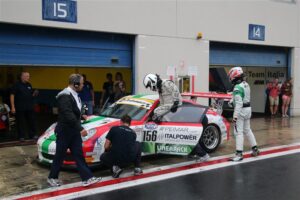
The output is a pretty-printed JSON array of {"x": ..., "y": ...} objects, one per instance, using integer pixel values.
[{"x": 24, "y": 45}]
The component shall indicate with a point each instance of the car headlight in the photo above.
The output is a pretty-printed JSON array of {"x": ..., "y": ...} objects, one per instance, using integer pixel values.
[{"x": 90, "y": 132}]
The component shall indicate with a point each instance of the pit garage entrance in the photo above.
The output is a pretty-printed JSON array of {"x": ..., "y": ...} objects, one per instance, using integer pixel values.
[
  {"x": 261, "y": 64},
  {"x": 51, "y": 55}
]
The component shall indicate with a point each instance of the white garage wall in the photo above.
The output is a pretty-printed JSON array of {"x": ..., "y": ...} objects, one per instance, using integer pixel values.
[
  {"x": 220, "y": 20},
  {"x": 228, "y": 20},
  {"x": 166, "y": 29},
  {"x": 154, "y": 54}
]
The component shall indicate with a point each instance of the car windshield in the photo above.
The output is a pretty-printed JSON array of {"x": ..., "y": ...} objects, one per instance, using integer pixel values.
[{"x": 119, "y": 110}]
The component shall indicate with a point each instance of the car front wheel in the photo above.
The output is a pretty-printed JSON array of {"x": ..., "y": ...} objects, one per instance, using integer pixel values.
[{"x": 211, "y": 138}]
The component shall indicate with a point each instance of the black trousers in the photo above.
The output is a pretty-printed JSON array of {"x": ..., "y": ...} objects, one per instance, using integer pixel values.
[
  {"x": 69, "y": 138},
  {"x": 26, "y": 120},
  {"x": 108, "y": 158},
  {"x": 198, "y": 150}
]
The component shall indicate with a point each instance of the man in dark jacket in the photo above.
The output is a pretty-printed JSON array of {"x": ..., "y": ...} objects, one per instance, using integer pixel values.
[
  {"x": 68, "y": 133},
  {"x": 22, "y": 105}
]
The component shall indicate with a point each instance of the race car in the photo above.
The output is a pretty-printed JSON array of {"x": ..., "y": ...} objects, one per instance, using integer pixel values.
[
  {"x": 176, "y": 133},
  {"x": 4, "y": 117}
]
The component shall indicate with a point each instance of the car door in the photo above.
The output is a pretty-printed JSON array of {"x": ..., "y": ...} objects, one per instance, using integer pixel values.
[{"x": 177, "y": 133}]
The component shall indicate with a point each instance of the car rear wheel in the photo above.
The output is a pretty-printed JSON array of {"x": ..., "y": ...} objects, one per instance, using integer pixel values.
[{"x": 211, "y": 138}]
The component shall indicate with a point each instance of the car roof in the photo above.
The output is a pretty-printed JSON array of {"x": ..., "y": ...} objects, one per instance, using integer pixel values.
[
  {"x": 145, "y": 100},
  {"x": 139, "y": 99}
]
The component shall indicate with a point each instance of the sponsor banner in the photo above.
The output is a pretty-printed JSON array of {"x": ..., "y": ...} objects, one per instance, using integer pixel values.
[
  {"x": 174, "y": 149},
  {"x": 172, "y": 134}
]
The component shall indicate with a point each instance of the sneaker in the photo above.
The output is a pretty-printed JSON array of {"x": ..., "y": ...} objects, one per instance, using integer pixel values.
[
  {"x": 237, "y": 157},
  {"x": 203, "y": 158},
  {"x": 255, "y": 152},
  {"x": 137, "y": 171},
  {"x": 116, "y": 171},
  {"x": 91, "y": 181},
  {"x": 53, "y": 182}
]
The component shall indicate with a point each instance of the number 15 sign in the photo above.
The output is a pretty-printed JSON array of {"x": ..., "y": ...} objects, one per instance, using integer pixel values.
[
  {"x": 60, "y": 10},
  {"x": 256, "y": 32}
]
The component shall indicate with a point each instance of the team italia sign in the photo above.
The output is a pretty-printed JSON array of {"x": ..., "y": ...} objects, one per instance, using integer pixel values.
[{"x": 60, "y": 10}]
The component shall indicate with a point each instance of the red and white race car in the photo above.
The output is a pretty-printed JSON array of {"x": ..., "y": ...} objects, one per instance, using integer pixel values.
[{"x": 177, "y": 133}]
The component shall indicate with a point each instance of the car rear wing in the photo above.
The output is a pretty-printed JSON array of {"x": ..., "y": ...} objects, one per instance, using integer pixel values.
[{"x": 216, "y": 99}]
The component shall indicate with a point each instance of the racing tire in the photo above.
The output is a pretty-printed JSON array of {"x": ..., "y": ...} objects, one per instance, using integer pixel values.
[{"x": 211, "y": 138}]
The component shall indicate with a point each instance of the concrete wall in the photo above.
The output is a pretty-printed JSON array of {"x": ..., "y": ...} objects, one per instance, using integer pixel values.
[
  {"x": 154, "y": 54},
  {"x": 219, "y": 20}
]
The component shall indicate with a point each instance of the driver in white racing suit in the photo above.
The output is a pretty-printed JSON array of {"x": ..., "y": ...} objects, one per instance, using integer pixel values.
[
  {"x": 169, "y": 95},
  {"x": 170, "y": 98},
  {"x": 242, "y": 113}
]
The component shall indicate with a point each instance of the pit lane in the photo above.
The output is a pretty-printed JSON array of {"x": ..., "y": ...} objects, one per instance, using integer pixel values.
[{"x": 20, "y": 172}]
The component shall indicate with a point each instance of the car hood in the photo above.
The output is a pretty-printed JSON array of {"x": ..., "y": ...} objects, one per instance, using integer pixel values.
[{"x": 93, "y": 122}]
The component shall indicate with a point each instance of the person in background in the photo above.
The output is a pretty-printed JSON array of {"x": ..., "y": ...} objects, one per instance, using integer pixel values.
[
  {"x": 22, "y": 105},
  {"x": 286, "y": 91},
  {"x": 122, "y": 149},
  {"x": 274, "y": 90},
  {"x": 242, "y": 113},
  {"x": 107, "y": 97},
  {"x": 87, "y": 96},
  {"x": 119, "y": 87},
  {"x": 68, "y": 133}
]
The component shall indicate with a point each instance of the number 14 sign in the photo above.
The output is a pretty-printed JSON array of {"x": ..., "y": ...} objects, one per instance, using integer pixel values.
[
  {"x": 256, "y": 32},
  {"x": 60, "y": 10}
]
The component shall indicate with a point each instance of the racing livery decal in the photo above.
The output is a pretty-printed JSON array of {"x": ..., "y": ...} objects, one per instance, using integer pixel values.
[{"x": 167, "y": 137}]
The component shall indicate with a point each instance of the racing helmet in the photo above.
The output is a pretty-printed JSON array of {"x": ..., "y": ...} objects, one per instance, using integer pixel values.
[
  {"x": 150, "y": 80},
  {"x": 235, "y": 73}
]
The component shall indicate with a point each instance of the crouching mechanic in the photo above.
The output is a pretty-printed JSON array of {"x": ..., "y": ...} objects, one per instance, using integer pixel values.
[
  {"x": 121, "y": 149},
  {"x": 242, "y": 113},
  {"x": 169, "y": 96}
]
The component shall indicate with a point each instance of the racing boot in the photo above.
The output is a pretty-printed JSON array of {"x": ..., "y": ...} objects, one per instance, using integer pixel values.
[
  {"x": 238, "y": 156},
  {"x": 255, "y": 151}
]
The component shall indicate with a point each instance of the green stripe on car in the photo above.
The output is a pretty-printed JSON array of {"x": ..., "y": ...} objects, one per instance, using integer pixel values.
[
  {"x": 47, "y": 142},
  {"x": 138, "y": 96},
  {"x": 93, "y": 119}
]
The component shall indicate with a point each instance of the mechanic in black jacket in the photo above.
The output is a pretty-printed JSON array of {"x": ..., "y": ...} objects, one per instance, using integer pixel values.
[
  {"x": 122, "y": 149},
  {"x": 68, "y": 133}
]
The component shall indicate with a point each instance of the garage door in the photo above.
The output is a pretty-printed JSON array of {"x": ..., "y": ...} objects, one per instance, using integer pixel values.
[
  {"x": 247, "y": 55},
  {"x": 260, "y": 63},
  {"x": 29, "y": 45}
]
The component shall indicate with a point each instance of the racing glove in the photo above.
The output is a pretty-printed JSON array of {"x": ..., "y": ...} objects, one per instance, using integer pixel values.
[
  {"x": 156, "y": 118},
  {"x": 174, "y": 106}
]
